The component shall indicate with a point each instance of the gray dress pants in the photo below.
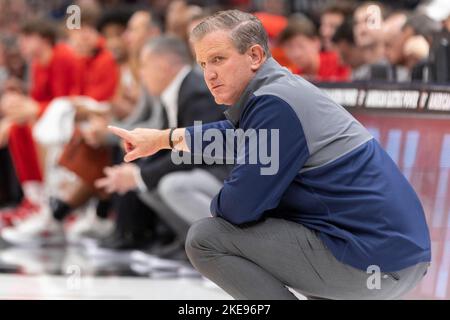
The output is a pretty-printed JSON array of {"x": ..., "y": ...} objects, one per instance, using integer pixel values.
[{"x": 267, "y": 259}]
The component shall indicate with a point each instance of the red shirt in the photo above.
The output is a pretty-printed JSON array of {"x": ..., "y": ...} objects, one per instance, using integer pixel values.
[
  {"x": 58, "y": 78},
  {"x": 330, "y": 68},
  {"x": 99, "y": 74}
]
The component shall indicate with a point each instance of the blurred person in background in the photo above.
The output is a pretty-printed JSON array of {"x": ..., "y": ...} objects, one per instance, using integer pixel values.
[
  {"x": 368, "y": 21},
  {"x": 13, "y": 14},
  {"x": 407, "y": 44},
  {"x": 132, "y": 106},
  {"x": 54, "y": 73},
  {"x": 301, "y": 44},
  {"x": 330, "y": 19},
  {"x": 168, "y": 75},
  {"x": 345, "y": 45},
  {"x": 368, "y": 26},
  {"x": 417, "y": 36},
  {"x": 132, "y": 103},
  {"x": 112, "y": 25},
  {"x": 193, "y": 21},
  {"x": 143, "y": 25},
  {"x": 10, "y": 81},
  {"x": 426, "y": 58},
  {"x": 14, "y": 63},
  {"x": 98, "y": 79},
  {"x": 159, "y": 9},
  {"x": 178, "y": 17},
  {"x": 395, "y": 37},
  {"x": 12, "y": 71}
]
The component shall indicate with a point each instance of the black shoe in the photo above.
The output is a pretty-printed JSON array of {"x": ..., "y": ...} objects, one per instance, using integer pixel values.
[
  {"x": 159, "y": 242},
  {"x": 60, "y": 209},
  {"x": 125, "y": 242},
  {"x": 173, "y": 251},
  {"x": 178, "y": 254}
]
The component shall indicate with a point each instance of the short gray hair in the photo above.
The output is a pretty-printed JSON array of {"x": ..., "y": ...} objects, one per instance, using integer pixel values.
[
  {"x": 246, "y": 29},
  {"x": 169, "y": 45}
]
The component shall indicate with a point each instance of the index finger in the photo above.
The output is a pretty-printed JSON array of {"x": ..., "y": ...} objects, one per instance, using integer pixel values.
[
  {"x": 102, "y": 183},
  {"x": 124, "y": 134}
]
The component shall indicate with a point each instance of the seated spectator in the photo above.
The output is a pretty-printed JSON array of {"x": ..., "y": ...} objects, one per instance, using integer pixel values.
[
  {"x": 368, "y": 25},
  {"x": 132, "y": 104},
  {"x": 168, "y": 75},
  {"x": 112, "y": 25},
  {"x": 421, "y": 26},
  {"x": 131, "y": 107},
  {"x": 14, "y": 63},
  {"x": 98, "y": 78},
  {"x": 368, "y": 31},
  {"x": 179, "y": 14},
  {"x": 54, "y": 73},
  {"x": 142, "y": 26},
  {"x": 330, "y": 20},
  {"x": 193, "y": 21},
  {"x": 345, "y": 46},
  {"x": 301, "y": 43}
]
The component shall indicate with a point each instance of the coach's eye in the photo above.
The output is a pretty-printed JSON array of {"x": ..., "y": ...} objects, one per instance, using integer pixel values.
[{"x": 217, "y": 59}]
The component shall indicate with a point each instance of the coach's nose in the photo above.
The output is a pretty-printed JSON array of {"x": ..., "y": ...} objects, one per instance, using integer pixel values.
[{"x": 210, "y": 74}]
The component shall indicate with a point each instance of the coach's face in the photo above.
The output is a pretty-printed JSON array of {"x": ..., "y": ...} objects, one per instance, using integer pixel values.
[{"x": 227, "y": 72}]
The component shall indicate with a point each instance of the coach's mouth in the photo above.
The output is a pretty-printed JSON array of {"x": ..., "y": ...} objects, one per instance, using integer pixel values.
[{"x": 216, "y": 86}]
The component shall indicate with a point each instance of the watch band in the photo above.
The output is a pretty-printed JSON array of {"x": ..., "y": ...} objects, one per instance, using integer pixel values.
[{"x": 170, "y": 138}]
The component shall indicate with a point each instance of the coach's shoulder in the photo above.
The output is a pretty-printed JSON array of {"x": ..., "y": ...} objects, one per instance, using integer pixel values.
[{"x": 268, "y": 108}]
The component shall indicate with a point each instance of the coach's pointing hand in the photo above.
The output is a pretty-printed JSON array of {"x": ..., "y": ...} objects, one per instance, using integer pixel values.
[
  {"x": 142, "y": 142},
  {"x": 145, "y": 142}
]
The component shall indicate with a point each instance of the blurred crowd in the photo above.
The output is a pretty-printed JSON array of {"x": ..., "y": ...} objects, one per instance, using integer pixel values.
[{"x": 65, "y": 78}]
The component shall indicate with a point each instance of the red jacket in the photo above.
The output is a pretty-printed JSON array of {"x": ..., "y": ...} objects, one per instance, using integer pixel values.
[
  {"x": 58, "y": 78},
  {"x": 99, "y": 74}
]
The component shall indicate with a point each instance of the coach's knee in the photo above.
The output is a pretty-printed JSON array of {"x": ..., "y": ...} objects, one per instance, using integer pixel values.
[
  {"x": 171, "y": 184},
  {"x": 201, "y": 240}
]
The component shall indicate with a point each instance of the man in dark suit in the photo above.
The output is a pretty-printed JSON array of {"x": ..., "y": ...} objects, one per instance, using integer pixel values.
[{"x": 182, "y": 92}]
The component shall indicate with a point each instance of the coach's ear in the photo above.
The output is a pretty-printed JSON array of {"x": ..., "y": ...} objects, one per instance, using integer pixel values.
[{"x": 256, "y": 56}]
